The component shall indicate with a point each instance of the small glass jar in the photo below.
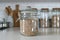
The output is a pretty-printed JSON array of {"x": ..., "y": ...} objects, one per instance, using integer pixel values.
[
  {"x": 44, "y": 18},
  {"x": 28, "y": 22},
  {"x": 56, "y": 17}
]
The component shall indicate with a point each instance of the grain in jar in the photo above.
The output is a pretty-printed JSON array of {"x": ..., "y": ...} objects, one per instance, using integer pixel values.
[
  {"x": 28, "y": 27},
  {"x": 50, "y": 21},
  {"x": 54, "y": 21}
]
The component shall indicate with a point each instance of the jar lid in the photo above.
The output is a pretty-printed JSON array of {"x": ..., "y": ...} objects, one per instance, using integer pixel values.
[
  {"x": 44, "y": 9},
  {"x": 56, "y": 9},
  {"x": 34, "y": 9},
  {"x": 29, "y": 10}
]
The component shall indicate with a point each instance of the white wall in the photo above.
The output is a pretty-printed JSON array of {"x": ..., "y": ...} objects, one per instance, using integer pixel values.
[
  {"x": 29, "y": 0},
  {"x": 23, "y": 5}
]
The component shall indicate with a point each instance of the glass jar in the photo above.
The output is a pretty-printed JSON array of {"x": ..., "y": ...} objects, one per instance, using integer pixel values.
[
  {"x": 44, "y": 18},
  {"x": 55, "y": 17},
  {"x": 28, "y": 22}
]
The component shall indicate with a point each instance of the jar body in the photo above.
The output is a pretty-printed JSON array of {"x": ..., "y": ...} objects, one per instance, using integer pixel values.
[
  {"x": 28, "y": 24},
  {"x": 44, "y": 20},
  {"x": 56, "y": 19}
]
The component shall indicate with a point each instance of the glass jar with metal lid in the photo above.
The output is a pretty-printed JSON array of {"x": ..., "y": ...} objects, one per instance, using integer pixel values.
[
  {"x": 28, "y": 22},
  {"x": 44, "y": 17},
  {"x": 55, "y": 17}
]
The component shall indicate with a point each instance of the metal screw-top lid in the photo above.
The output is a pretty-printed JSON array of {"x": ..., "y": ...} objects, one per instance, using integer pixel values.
[
  {"x": 34, "y": 9},
  {"x": 56, "y": 9},
  {"x": 44, "y": 9}
]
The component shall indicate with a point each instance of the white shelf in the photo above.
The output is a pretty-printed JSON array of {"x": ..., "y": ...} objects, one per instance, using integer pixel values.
[{"x": 45, "y": 34}]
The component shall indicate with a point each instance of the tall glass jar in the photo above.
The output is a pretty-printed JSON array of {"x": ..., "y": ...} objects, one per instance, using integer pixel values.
[
  {"x": 28, "y": 22},
  {"x": 56, "y": 17},
  {"x": 44, "y": 18}
]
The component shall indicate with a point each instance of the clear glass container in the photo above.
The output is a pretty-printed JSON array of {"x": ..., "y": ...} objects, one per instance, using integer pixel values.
[
  {"x": 28, "y": 22},
  {"x": 44, "y": 18},
  {"x": 56, "y": 17}
]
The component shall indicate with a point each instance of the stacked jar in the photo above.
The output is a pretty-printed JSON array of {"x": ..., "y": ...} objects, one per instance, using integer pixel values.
[
  {"x": 44, "y": 18},
  {"x": 29, "y": 22},
  {"x": 56, "y": 17}
]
